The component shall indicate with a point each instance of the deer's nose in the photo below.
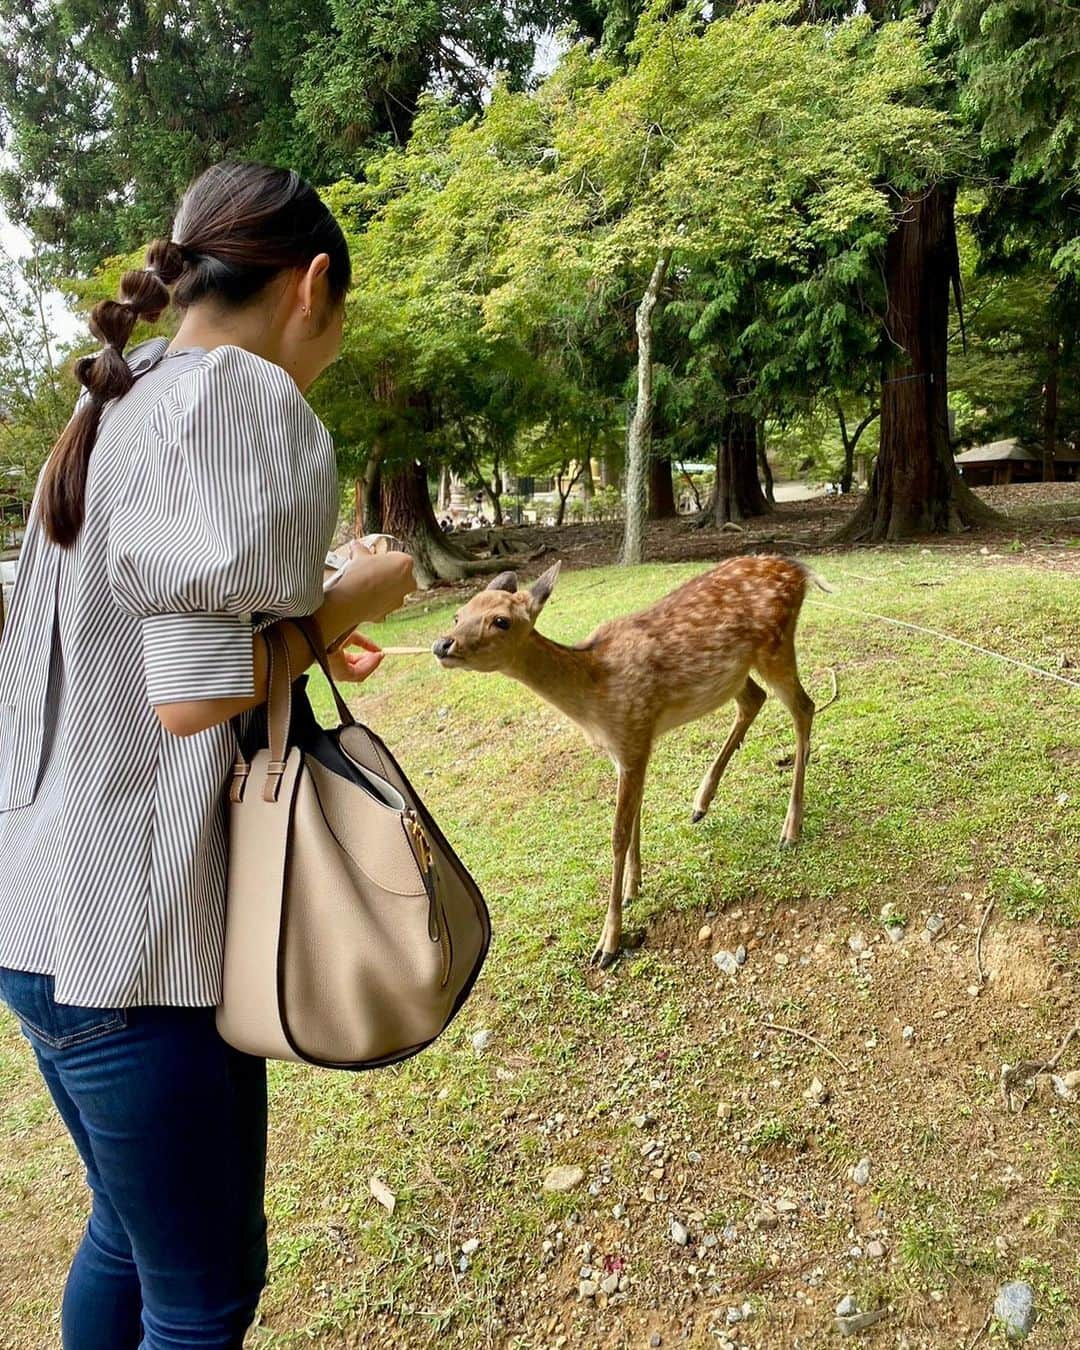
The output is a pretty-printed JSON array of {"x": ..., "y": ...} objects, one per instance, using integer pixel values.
[{"x": 442, "y": 646}]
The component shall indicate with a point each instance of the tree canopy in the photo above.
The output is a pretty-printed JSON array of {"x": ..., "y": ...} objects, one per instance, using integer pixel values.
[{"x": 761, "y": 175}]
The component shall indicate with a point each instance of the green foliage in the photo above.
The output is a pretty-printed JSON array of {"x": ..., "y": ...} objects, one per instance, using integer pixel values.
[
  {"x": 499, "y": 257},
  {"x": 108, "y": 110},
  {"x": 364, "y": 73},
  {"x": 37, "y": 391}
]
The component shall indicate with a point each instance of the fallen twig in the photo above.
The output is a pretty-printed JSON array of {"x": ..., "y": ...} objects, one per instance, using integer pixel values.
[
  {"x": 805, "y": 1036},
  {"x": 978, "y": 941},
  {"x": 982, "y": 1331},
  {"x": 1012, "y": 1075}
]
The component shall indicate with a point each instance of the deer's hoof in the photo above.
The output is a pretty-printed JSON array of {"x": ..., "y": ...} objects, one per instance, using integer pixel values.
[
  {"x": 696, "y": 816},
  {"x": 786, "y": 845},
  {"x": 604, "y": 960}
]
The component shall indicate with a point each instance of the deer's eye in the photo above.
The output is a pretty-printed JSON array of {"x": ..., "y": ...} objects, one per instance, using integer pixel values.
[
  {"x": 500, "y": 622},
  {"x": 456, "y": 618}
]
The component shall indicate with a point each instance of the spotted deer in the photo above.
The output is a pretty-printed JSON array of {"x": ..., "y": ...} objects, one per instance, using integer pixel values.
[{"x": 642, "y": 675}]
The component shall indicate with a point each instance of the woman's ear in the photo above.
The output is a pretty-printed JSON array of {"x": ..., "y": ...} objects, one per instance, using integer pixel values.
[{"x": 312, "y": 290}]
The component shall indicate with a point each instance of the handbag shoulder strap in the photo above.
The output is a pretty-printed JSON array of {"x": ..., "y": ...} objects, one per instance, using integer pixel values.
[{"x": 310, "y": 629}]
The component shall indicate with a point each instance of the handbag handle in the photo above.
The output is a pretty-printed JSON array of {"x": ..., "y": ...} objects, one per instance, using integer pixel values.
[
  {"x": 279, "y": 705},
  {"x": 278, "y": 710}
]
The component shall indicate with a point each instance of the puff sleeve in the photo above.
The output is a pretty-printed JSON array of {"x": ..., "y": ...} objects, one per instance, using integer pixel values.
[{"x": 221, "y": 522}]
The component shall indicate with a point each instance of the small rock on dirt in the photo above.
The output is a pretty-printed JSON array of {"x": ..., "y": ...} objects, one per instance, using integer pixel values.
[
  {"x": 726, "y": 962},
  {"x": 1014, "y": 1308},
  {"x": 481, "y": 1040},
  {"x": 875, "y": 1250},
  {"x": 860, "y": 1173},
  {"x": 740, "y": 955},
  {"x": 1067, "y": 1085},
  {"x": 857, "y": 943},
  {"x": 680, "y": 1234},
  {"x": 817, "y": 1094},
  {"x": 656, "y": 1340},
  {"x": 860, "y": 1321},
  {"x": 562, "y": 1179},
  {"x": 704, "y": 933},
  {"x": 587, "y": 1289}
]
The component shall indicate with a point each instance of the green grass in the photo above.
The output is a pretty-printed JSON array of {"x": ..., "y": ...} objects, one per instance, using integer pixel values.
[{"x": 937, "y": 775}]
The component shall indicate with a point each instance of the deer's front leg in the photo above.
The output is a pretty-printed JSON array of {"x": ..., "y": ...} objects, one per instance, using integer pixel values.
[
  {"x": 627, "y": 806},
  {"x": 632, "y": 873}
]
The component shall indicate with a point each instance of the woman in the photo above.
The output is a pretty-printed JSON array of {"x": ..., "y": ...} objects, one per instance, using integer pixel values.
[{"x": 189, "y": 503}]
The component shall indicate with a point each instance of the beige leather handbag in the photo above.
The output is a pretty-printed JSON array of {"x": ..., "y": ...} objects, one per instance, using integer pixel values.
[{"x": 353, "y": 932}]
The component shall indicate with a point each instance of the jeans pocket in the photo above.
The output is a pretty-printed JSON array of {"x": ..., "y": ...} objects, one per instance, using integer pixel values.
[{"x": 56, "y": 1025}]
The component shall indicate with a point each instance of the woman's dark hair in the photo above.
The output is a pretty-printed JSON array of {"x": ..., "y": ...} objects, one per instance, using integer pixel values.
[{"x": 237, "y": 227}]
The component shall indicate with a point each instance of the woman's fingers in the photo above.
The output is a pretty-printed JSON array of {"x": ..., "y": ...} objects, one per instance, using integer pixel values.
[
  {"x": 357, "y": 639},
  {"x": 362, "y": 665}
]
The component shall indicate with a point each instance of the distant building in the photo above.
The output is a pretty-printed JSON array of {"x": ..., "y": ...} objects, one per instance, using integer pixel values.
[{"x": 1003, "y": 462}]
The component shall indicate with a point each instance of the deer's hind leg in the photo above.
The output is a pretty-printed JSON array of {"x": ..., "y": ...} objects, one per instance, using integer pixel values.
[
  {"x": 748, "y": 703},
  {"x": 782, "y": 676}
]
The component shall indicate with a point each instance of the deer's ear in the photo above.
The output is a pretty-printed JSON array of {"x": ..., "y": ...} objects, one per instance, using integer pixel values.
[
  {"x": 505, "y": 581},
  {"x": 540, "y": 590}
]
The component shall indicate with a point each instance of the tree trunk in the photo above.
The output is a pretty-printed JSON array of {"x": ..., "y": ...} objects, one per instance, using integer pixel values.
[
  {"x": 607, "y": 476},
  {"x": 738, "y": 492},
  {"x": 358, "y": 508},
  {"x": 368, "y": 495},
  {"x": 444, "y": 489},
  {"x": 850, "y": 442},
  {"x": 408, "y": 516},
  {"x": 661, "y": 491},
  {"x": 564, "y": 497},
  {"x": 1050, "y": 408},
  {"x": 848, "y": 473},
  {"x": 639, "y": 432},
  {"x": 491, "y": 492},
  {"x": 763, "y": 463},
  {"x": 916, "y": 488}
]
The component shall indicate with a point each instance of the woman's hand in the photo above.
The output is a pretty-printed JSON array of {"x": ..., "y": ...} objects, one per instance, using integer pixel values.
[
  {"x": 350, "y": 667},
  {"x": 366, "y": 590}
]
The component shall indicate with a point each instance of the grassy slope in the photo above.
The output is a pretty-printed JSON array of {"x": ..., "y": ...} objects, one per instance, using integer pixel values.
[{"x": 935, "y": 784}]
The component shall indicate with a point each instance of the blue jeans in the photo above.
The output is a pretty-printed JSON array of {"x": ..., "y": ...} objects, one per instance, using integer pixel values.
[{"x": 171, "y": 1124}]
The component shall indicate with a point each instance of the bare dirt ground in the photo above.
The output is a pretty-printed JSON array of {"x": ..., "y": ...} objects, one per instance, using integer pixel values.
[{"x": 1038, "y": 522}]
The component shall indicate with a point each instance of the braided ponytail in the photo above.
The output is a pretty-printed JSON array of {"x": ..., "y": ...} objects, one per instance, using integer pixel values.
[{"x": 144, "y": 294}]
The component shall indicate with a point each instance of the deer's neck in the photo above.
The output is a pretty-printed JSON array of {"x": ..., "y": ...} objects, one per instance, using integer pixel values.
[{"x": 564, "y": 676}]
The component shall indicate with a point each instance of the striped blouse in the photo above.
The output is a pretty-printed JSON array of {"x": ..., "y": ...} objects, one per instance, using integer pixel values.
[{"x": 210, "y": 504}]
